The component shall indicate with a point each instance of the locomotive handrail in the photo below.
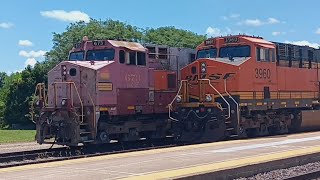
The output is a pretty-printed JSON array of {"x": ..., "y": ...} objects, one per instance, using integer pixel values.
[
  {"x": 94, "y": 107},
  {"x": 225, "y": 89},
  {"x": 75, "y": 87},
  {"x": 170, "y": 105},
  {"x": 41, "y": 89},
  {"x": 219, "y": 95}
]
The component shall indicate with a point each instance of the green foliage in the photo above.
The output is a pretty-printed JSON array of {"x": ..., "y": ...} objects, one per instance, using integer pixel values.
[
  {"x": 16, "y": 90},
  {"x": 12, "y": 136},
  {"x": 173, "y": 37}
]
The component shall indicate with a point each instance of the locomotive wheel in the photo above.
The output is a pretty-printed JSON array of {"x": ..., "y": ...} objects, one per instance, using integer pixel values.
[
  {"x": 206, "y": 128},
  {"x": 103, "y": 137},
  {"x": 214, "y": 132}
]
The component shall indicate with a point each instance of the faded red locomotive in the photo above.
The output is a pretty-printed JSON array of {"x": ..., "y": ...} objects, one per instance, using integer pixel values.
[
  {"x": 109, "y": 90},
  {"x": 243, "y": 86}
]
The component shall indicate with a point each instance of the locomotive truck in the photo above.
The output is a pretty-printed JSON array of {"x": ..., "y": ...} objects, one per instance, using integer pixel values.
[
  {"x": 109, "y": 90},
  {"x": 244, "y": 86}
]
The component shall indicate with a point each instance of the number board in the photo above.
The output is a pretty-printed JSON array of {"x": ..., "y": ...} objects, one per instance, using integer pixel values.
[
  {"x": 99, "y": 43},
  {"x": 231, "y": 39},
  {"x": 261, "y": 73},
  {"x": 209, "y": 42}
]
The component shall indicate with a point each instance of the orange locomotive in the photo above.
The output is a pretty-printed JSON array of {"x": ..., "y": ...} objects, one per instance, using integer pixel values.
[{"x": 243, "y": 86}]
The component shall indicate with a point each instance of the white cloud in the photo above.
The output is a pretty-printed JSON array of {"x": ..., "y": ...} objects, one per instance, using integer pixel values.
[
  {"x": 30, "y": 62},
  {"x": 277, "y": 33},
  {"x": 231, "y": 16},
  {"x": 6, "y": 25},
  {"x": 25, "y": 43},
  {"x": 273, "y": 21},
  {"x": 214, "y": 32},
  {"x": 71, "y": 16},
  {"x": 32, "y": 54},
  {"x": 258, "y": 22},
  {"x": 253, "y": 22},
  {"x": 318, "y": 31},
  {"x": 304, "y": 43},
  {"x": 234, "y": 15}
]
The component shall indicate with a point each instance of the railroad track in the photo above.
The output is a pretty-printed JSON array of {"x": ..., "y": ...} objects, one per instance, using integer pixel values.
[{"x": 64, "y": 153}]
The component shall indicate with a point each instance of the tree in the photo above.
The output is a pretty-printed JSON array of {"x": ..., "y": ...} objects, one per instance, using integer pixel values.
[
  {"x": 173, "y": 37},
  {"x": 16, "y": 90}
]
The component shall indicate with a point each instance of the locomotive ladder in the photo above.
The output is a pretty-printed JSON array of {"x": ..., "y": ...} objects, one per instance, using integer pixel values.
[
  {"x": 231, "y": 126},
  {"x": 86, "y": 131}
]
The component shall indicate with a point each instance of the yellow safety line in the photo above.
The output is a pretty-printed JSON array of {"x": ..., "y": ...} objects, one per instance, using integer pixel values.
[
  {"x": 138, "y": 153},
  {"x": 231, "y": 164}
]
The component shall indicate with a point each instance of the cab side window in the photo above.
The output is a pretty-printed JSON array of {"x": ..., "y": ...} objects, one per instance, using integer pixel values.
[
  {"x": 122, "y": 56},
  {"x": 135, "y": 58},
  {"x": 132, "y": 58},
  {"x": 265, "y": 55},
  {"x": 141, "y": 58}
]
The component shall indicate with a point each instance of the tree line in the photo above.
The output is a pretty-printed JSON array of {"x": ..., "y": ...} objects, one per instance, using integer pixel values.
[{"x": 16, "y": 89}]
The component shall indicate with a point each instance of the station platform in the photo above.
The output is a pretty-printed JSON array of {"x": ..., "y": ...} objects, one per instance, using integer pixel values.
[{"x": 175, "y": 162}]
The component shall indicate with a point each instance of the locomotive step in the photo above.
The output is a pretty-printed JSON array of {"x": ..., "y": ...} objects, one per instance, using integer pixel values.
[
  {"x": 87, "y": 141},
  {"x": 87, "y": 132},
  {"x": 84, "y": 124},
  {"x": 230, "y": 129},
  {"x": 233, "y": 135}
]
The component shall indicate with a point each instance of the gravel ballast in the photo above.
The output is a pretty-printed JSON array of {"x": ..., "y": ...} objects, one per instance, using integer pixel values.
[
  {"x": 285, "y": 173},
  {"x": 17, "y": 147}
]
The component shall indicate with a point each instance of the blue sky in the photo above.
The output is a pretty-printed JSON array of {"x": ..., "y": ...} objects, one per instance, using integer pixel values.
[{"x": 26, "y": 26}]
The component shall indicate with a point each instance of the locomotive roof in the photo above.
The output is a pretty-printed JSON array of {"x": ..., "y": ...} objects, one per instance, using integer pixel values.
[
  {"x": 129, "y": 45},
  {"x": 257, "y": 40}
]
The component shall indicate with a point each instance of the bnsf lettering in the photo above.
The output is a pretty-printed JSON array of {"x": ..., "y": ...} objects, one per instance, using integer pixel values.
[{"x": 213, "y": 77}]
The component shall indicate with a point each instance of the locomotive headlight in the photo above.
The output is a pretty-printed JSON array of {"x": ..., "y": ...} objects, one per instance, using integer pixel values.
[
  {"x": 63, "y": 102},
  {"x": 208, "y": 98},
  {"x": 203, "y": 67},
  {"x": 203, "y": 70},
  {"x": 38, "y": 103},
  {"x": 178, "y": 99}
]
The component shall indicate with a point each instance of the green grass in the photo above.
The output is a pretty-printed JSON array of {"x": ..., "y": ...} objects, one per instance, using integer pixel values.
[{"x": 12, "y": 136}]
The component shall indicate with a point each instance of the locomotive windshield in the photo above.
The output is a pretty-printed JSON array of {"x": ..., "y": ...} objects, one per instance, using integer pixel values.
[
  {"x": 234, "y": 51},
  {"x": 207, "y": 53},
  {"x": 100, "y": 55},
  {"x": 76, "y": 56}
]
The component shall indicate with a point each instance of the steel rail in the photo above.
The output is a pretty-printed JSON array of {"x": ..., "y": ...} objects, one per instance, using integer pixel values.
[{"x": 65, "y": 153}]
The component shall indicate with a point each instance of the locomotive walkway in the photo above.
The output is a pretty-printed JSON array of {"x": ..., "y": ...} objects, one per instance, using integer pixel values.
[{"x": 242, "y": 157}]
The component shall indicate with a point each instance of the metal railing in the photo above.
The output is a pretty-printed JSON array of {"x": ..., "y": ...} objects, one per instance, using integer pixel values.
[
  {"x": 178, "y": 93},
  {"x": 71, "y": 84},
  {"x": 209, "y": 82},
  {"x": 237, "y": 104}
]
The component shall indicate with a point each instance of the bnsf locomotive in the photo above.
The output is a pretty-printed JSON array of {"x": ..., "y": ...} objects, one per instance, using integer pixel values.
[
  {"x": 109, "y": 90},
  {"x": 243, "y": 86}
]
